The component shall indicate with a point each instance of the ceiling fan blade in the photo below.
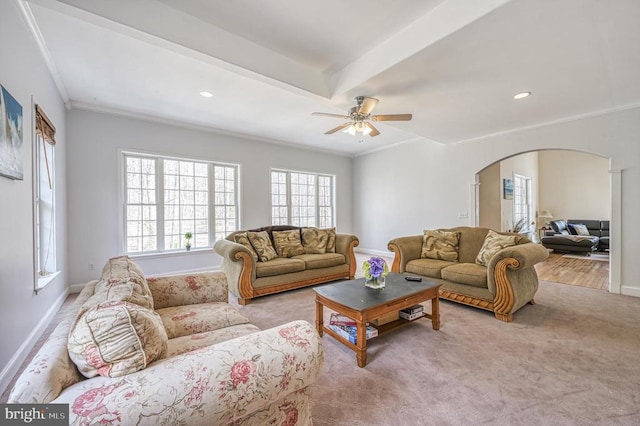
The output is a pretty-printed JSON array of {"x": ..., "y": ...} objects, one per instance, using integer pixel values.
[
  {"x": 342, "y": 126},
  {"x": 326, "y": 114},
  {"x": 367, "y": 105},
  {"x": 374, "y": 131},
  {"x": 392, "y": 117}
]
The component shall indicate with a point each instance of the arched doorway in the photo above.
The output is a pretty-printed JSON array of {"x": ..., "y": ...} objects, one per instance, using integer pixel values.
[{"x": 564, "y": 184}]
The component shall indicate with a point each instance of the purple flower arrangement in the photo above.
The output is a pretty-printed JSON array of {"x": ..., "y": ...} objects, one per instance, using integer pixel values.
[{"x": 375, "y": 269}]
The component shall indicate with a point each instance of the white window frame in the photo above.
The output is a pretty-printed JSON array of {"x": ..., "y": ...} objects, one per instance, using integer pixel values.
[
  {"x": 288, "y": 197},
  {"x": 213, "y": 232},
  {"x": 44, "y": 193},
  {"x": 522, "y": 201}
]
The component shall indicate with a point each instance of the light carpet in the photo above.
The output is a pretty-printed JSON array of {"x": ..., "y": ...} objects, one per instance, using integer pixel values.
[
  {"x": 571, "y": 359},
  {"x": 601, "y": 257}
]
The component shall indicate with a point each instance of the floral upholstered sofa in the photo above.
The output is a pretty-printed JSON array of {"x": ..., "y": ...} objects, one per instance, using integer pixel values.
[
  {"x": 272, "y": 259},
  {"x": 171, "y": 350}
]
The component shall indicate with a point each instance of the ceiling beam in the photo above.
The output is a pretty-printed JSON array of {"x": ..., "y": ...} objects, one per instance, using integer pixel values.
[{"x": 445, "y": 19}]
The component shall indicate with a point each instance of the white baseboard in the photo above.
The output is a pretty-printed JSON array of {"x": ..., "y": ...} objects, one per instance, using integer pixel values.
[
  {"x": 373, "y": 252},
  {"x": 76, "y": 288},
  {"x": 630, "y": 291},
  {"x": 18, "y": 358}
]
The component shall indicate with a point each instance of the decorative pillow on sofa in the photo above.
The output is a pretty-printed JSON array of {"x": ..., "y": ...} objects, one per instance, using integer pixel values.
[
  {"x": 243, "y": 239},
  {"x": 288, "y": 243},
  {"x": 493, "y": 243},
  {"x": 442, "y": 245},
  {"x": 580, "y": 229},
  {"x": 116, "y": 338},
  {"x": 121, "y": 280},
  {"x": 262, "y": 245},
  {"x": 331, "y": 240},
  {"x": 314, "y": 240}
]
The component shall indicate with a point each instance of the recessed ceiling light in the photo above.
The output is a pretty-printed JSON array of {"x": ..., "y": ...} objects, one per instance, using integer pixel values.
[
  {"x": 522, "y": 95},
  {"x": 206, "y": 94}
]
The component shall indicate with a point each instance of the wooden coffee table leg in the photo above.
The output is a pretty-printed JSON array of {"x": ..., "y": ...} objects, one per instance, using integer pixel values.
[
  {"x": 319, "y": 318},
  {"x": 435, "y": 313},
  {"x": 361, "y": 344}
]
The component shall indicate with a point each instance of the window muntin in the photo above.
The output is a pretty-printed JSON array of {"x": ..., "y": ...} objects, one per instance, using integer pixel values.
[
  {"x": 302, "y": 199},
  {"x": 167, "y": 197},
  {"x": 522, "y": 209}
]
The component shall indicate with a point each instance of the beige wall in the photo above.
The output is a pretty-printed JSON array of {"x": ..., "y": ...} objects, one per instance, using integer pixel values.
[
  {"x": 496, "y": 212},
  {"x": 574, "y": 185}
]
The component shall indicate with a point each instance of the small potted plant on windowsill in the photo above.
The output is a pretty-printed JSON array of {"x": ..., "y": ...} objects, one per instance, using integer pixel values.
[{"x": 187, "y": 240}]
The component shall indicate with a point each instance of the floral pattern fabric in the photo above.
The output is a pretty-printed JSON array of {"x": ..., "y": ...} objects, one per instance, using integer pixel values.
[
  {"x": 233, "y": 375},
  {"x": 180, "y": 345},
  {"x": 190, "y": 289},
  {"x": 288, "y": 243},
  {"x": 257, "y": 379},
  {"x": 191, "y": 319},
  {"x": 116, "y": 338}
]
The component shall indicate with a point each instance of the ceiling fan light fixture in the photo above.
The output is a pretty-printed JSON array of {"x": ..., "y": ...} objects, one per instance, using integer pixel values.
[{"x": 351, "y": 130}]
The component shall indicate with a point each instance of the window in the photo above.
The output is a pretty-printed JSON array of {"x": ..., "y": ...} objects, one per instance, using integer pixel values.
[
  {"x": 301, "y": 199},
  {"x": 166, "y": 197},
  {"x": 44, "y": 217},
  {"x": 522, "y": 209}
]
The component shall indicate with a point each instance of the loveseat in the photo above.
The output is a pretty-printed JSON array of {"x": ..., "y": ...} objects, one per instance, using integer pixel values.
[
  {"x": 284, "y": 258},
  {"x": 189, "y": 359},
  {"x": 476, "y": 266}
]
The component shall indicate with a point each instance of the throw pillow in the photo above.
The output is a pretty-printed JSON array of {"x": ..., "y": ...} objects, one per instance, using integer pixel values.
[
  {"x": 580, "y": 229},
  {"x": 243, "y": 239},
  {"x": 116, "y": 338},
  {"x": 331, "y": 240},
  {"x": 492, "y": 244},
  {"x": 441, "y": 245},
  {"x": 121, "y": 280},
  {"x": 314, "y": 240},
  {"x": 262, "y": 245},
  {"x": 288, "y": 243}
]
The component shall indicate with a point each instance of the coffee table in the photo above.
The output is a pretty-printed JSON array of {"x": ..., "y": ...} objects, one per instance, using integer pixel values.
[{"x": 363, "y": 305}]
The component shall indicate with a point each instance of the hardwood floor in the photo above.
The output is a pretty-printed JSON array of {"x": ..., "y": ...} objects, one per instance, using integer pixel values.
[{"x": 573, "y": 271}]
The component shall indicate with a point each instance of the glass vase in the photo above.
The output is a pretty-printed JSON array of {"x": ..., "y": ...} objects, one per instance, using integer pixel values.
[{"x": 376, "y": 283}]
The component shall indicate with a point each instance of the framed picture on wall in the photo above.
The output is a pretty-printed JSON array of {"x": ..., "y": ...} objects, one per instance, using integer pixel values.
[
  {"x": 507, "y": 189},
  {"x": 10, "y": 136}
]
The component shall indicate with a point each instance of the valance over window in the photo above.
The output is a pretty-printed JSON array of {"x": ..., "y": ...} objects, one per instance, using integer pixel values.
[{"x": 44, "y": 127}]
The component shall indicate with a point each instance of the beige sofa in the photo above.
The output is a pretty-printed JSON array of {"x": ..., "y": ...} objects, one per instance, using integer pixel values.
[
  {"x": 214, "y": 367},
  {"x": 504, "y": 285},
  {"x": 249, "y": 278}
]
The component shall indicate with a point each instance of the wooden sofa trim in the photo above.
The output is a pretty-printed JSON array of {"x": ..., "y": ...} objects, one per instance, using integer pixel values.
[
  {"x": 466, "y": 300},
  {"x": 247, "y": 292},
  {"x": 504, "y": 300}
]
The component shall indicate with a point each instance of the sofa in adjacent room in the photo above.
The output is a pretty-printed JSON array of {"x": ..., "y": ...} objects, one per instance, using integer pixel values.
[
  {"x": 577, "y": 236},
  {"x": 476, "y": 266},
  {"x": 171, "y": 350},
  {"x": 272, "y": 259}
]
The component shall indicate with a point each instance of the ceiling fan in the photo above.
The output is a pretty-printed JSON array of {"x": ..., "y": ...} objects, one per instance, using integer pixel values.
[{"x": 360, "y": 118}]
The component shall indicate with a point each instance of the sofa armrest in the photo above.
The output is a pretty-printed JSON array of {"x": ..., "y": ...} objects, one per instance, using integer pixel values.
[
  {"x": 188, "y": 289},
  {"x": 404, "y": 249},
  {"x": 512, "y": 278},
  {"x": 219, "y": 384},
  {"x": 239, "y": 267},
  {"x": 345, "y": 243}
]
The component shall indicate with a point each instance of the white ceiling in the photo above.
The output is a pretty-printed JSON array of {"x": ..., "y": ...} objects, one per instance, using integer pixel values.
[{"x": 454, "y": 64}]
